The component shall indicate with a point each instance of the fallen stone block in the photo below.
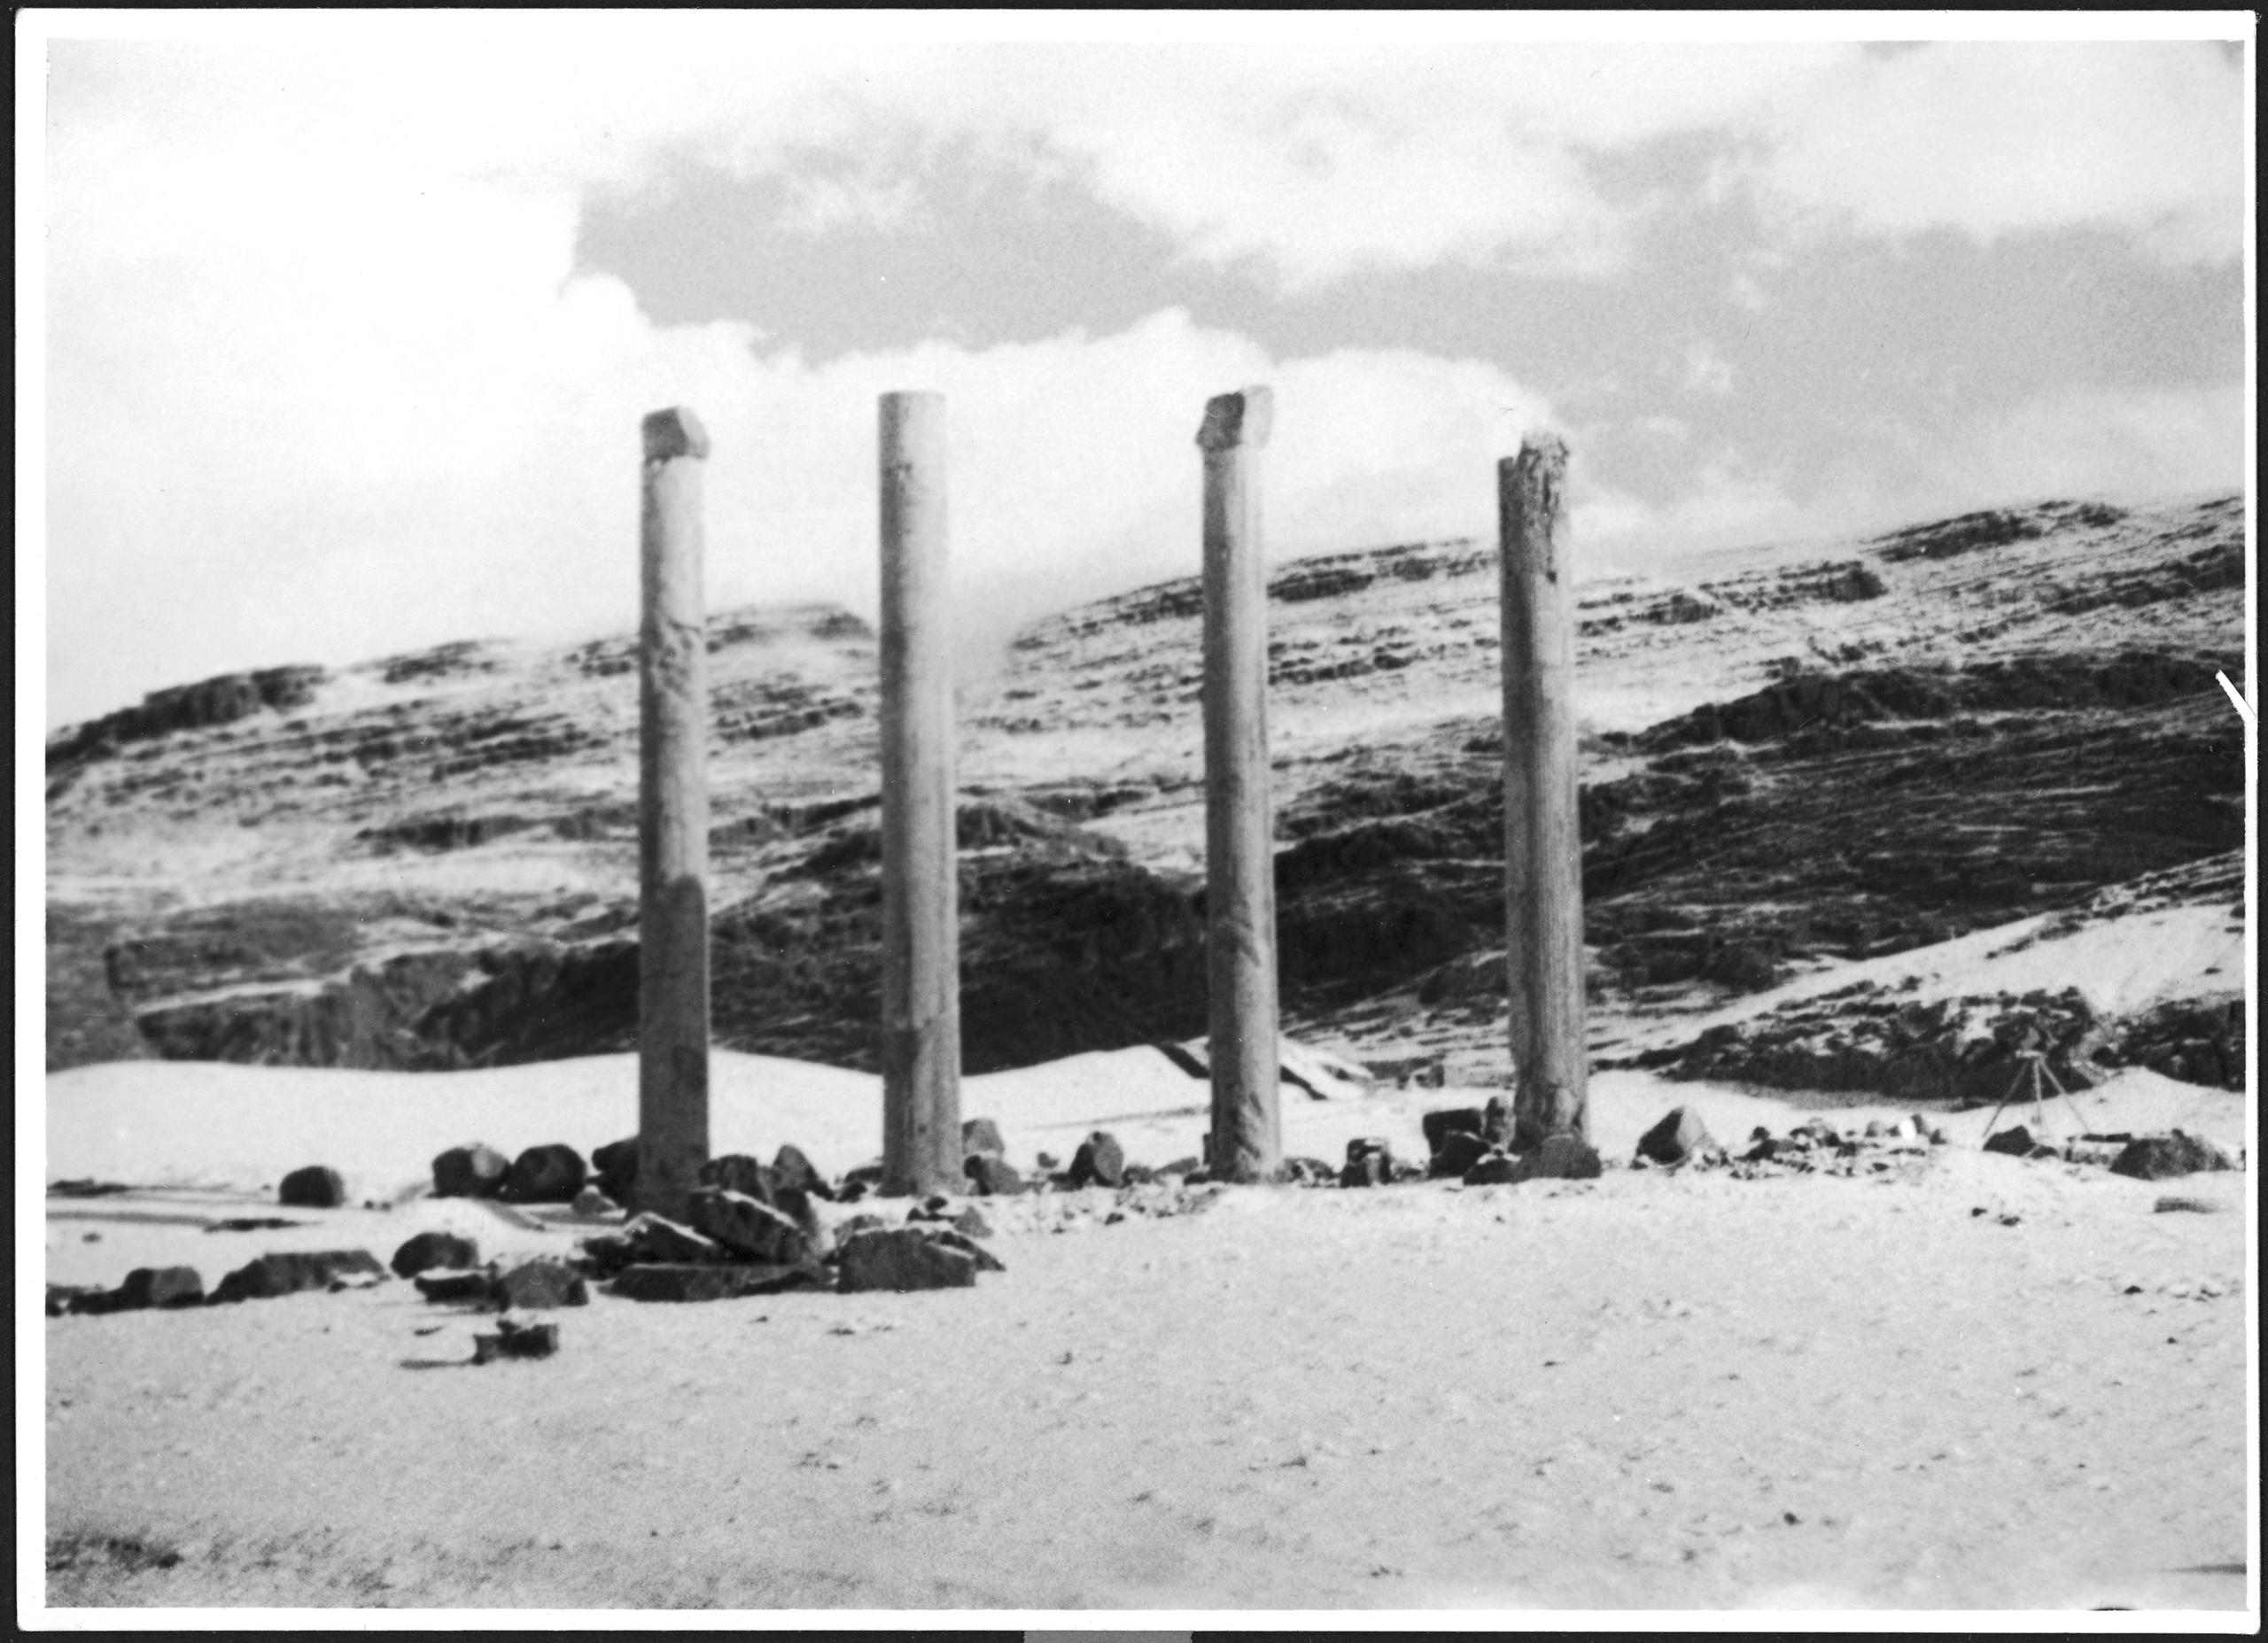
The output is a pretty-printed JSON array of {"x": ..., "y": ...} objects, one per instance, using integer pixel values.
[
  {"x": 60, "y": 1296},
  {"x": 1304, "y": 1172},
  {"x": 593, "y": 1204},
  {"x": 748, "y": 1228},
  {"x": 541, "y": 1283},
  {"x": 2015, "y": 1142},
  {"x": 1459, "y": 1151},
  {"x": 316, "y": 1187},
  {"x": 429, "y": 1250},
  {"x": 288, "y": 1272},
  {"x": 902, "y": 1259},
  {"x": 2195, "y": 1206},
  {"x": 516, "y": 1340},
  {"x": 1493, "y": 1169},
  {"x": 1444, "y": 1122},
  {"x": 979, "y": 1137},
  {"x": 1369, "y": 1163},
  {"x": 1680, "y": 1134},
  {"x": 550, "y": 1173},
  {"x": 456, "y": 1286},
  {"x": 1496, "y": 1123},
  {"x": 614, "y": 1166},
  {"x": 954, "y": 1239},
  {"x": 991, "y": 1177},
  {"x": 1561, "y": 1157},
  {"x": 251, "y": 1223},
  {"x": 473, "y": 1172},
  {"x": 653, "y": 1239},
  {"x": 658, "y": 1281},
  {"x": 164, "y": 1286},
  {"x": 794, "y": 1171},
  {"x": 2162, "y": 1157},
  {"x": 1099, "y": 1162},
  {"x": 737, "y": 1172},
  {"x": 851, "y": 1227}
]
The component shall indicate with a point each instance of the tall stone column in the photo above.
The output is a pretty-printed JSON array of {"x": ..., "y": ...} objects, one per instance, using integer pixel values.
[
  {"x": 672, "y": 820},
  {"x": 1544, "y": 854},
  {"x": 1240, "y": 845},
  {"x": 921, "y": 1144}
]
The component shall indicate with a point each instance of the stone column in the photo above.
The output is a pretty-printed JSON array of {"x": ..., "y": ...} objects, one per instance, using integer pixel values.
[
  {"x": 1239, "y": 846},
  {"x": 921, "y": 1150},
  {"x": 1543, "y": 858},
  {"x": 672, "y": 821}
]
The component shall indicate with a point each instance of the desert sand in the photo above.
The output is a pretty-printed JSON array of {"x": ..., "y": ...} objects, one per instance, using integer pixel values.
[{"x": 1963, "y": 1382}]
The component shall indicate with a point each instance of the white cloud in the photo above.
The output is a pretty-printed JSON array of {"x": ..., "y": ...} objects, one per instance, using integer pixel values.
[{"x": 1988, "y": 139}]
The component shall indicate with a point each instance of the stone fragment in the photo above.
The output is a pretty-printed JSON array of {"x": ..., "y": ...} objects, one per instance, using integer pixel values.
[
  {"x": 954, "y": 1239},
  {"x": 164, "y": 1286},
  {"x": 1300, "y": 1172},
  {"x": 851, "y": 1227},
  {"x": 737, "y": 1172},
  {"x": 60, "y": 1297},
  {"x": 1181, "y": 1166},
  {"x": 2015, "y": 1142},
  {"x": 2162, "y": 1157},
  {"x": 288, "y": 1272},
  {"x": 656, "y": 1280},
  {"x": 1444, "y": 1122},
  {"x": 1561, "y": 1156},
  {"x": 1493, "y": 1169},
  {"x": 541, "y": 1283},
  {"x": 748, "y": 1228},
  {"x": 1459, "y": 1151},
  {"x": 2196, "y": 1206},
  {"x": 973, "y": 1222},
  {"x": 793, "y": 1171},
  {"x": 991, "y": 1177},
  {"x": 593, "y": 1204},
  {"x": 429, "y": 1250},
  {"x": 1367, "y": 1169},
  {"x": 903, "y": 1257},
  {"x": 316, "y": 1187},
  {"x": 653, "y": 1239},
  {"x": 473, "y": 1172},
  {"x": 550, "y": 1173},
  {"x": 979, "y": 1137},
  {"x": 1496, "y": 1123},
  {"x": 1100, "y": 1161},
  {"x": 606, "y": 1254},
  {"x": 1679, "y": 1135},
  {"x": 614, "y": 1166},
  {"x": 476, "y": 1286},
  {"x": 516, "y": 1340}
]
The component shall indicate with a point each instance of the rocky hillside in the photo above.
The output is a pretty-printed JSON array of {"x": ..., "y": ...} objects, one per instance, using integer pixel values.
[{"x": 1795, "y": 758}]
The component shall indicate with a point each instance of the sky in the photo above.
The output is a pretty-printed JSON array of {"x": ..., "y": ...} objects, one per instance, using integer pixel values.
[{"x": 340, "y": 326}]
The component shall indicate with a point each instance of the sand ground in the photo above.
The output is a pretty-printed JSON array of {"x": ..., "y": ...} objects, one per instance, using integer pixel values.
[{"x": 1656, "y": 1391}]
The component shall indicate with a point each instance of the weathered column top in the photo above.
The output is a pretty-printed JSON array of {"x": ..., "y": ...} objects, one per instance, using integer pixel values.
[
  {"x": 1540, "y": 445},
  {"x": 1235, "y": 419},
  {"x": 674, "y": 432}
]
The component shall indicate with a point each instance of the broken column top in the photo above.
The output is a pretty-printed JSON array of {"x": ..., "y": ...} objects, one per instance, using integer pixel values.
[
  {"x": 674, "y": 432},
  {"x": 1235, "y": 419},
  {"x": 1540, "y": 445}
]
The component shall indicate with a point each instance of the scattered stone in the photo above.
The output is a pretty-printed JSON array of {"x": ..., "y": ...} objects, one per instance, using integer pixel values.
[
  {"x": 87, "y": 1189},
  {"x": 551, "y": 1173},
  {"x": 655, "y": 1239},
  {"x": 1941, "y": 1136},
  {"x": 287, "y": 1274},
  {"x": 954, "y": 1239},
  {"x": 737, "y": 1172},
  {"x": 979, "y": 1137},
  {"x": 793, "y": 1171},
  {"x": 1444, "y": 1122},
  {"x": 902, "y": 1259},
  {"x": 475, "y": 1286},
  {"x": 1181, "y": 1166},
  {"x": 430, "y": 1250},
  {"x": 1876, "y": 1130},
  {"x": 593, "y": 1204},
  {"x": 747, "y": 1227},
  {"x": 655, "y": 1281},
  {"x": 614, "y": 1166},
  {"x": 1496, "y": 1123},
  {"x": 1562, "y": 1157},
  {"x": 1460, "y": 1149},
  {"x": 1493, "y": 1169},
  {"x": 973, "y": 1222},
  {"x": 60, "y": 1296},
  {"x": 1299, "y": 1172},
  {"x": 2015, "y": 1142},
  {"x": 2200, "y": 1206},
  {"x": 1366, "y": 1168},
  {"x": 991, "y": 1177},
  {"x": 145, "y": 1287},
  {"x": 1679, "y": 1135},
  {"x": 541, "y": 1283},
  {"x": 1100, "y": 1161},
  {"x": 473, "y": 1172},
  {"x": 2162, "y": 1158},
  {"x": 316, "y": 1187},
  {"x": 1765, "y": 1150},
  {"x": 846, "y": 1230},
  {"x": 516, "y": 1340},
  {"x": 866, "y": 1178}
]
